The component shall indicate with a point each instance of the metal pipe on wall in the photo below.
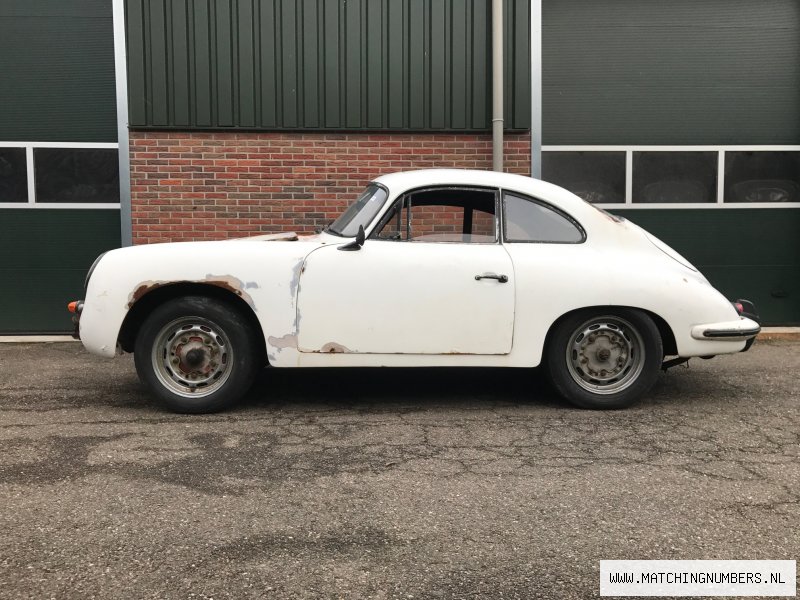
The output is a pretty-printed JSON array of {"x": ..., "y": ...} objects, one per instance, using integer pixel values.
[
  {"x": 497, "y": 85},
  {"x": 123, "y": 150},
  {"x": 536, "y": 89}
]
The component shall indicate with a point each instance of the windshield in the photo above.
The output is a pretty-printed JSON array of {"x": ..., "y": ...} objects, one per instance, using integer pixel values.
[{"x": 361, "y": 212}]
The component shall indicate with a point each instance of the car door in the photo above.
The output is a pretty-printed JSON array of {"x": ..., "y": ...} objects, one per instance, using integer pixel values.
[{"x": 431, "y": 279}]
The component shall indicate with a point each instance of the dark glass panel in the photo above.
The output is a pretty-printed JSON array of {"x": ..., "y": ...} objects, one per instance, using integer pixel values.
[
  {"x": 76, "y": 175},
  {"x": 674, "y": 177},
  {"x": 597, "y": 177},
  {"x": 13, "y": 175},
  {"x": 753, "y": 176}
]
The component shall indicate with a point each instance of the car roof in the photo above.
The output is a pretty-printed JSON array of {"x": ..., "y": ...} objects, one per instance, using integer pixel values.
[{"x": 400, "y": 182}]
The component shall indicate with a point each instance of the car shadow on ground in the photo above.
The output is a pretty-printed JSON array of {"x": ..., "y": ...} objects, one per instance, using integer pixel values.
[
  {"x": 405, "y": 388},
  {"x": 399, "y": 387}
]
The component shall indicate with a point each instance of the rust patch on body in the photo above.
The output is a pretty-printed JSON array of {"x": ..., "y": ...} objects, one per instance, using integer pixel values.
[
  {"x": 226, "y": 282},
  {"x": 144, "y": 288},
  {"x": 333, "y": 348}
]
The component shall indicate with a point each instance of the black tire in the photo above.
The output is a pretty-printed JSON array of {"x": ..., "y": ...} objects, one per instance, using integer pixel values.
[
  {"x": 604, "y": 359},
  {"x": 196, "y": 354}
]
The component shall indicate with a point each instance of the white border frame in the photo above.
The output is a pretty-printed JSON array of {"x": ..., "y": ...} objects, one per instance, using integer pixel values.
[
  {"x": 31, "y": 203},
  {"x": 720, "y": 150}
]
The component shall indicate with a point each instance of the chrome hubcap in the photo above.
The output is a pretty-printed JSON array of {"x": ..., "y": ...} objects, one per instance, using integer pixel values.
[
  {"x": 605, "y": 355},
  {"x": 192, "y": 357}
]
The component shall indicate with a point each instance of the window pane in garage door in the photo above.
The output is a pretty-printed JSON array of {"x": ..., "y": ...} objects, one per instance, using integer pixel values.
[
  {"x": 13, "y": 175},
  {"x": 76, "y": 175},
  {"x": 674, "y": 177},
  {"x": 597, "y": 177},
  {"x": 753, "y": 176}
]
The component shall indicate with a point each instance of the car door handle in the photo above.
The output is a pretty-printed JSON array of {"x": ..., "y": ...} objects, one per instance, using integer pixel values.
[{"x": 500, "y": 278}]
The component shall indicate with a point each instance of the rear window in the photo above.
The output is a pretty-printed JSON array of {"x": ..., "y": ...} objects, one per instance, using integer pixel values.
[{"x": 527, "y": 220}]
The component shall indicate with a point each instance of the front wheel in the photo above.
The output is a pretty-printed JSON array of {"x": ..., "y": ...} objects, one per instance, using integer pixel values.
[
  {"x": 604, "y": 359},
  {"x": 196, "y": 354}
]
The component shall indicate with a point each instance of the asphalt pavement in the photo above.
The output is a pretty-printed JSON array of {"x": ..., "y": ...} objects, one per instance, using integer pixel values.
[{"x": 385, "y": 483}]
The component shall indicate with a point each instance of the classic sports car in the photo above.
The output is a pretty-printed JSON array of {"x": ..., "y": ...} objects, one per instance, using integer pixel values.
[{"x": 426, "y": 268}]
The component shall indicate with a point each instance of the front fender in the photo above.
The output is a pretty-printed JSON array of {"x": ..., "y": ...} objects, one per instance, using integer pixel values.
[{"x": 263, "y": 274}]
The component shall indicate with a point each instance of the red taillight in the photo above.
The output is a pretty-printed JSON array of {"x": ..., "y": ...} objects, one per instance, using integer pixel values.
[{"x": 738, "y": 306}]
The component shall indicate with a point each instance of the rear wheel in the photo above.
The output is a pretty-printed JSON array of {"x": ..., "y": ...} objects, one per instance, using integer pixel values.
[
  {"x": 607, "y": 359},
  {"x": 196, "y": 354}
]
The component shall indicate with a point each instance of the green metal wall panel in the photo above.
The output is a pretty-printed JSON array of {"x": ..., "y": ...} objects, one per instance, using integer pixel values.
[
  {"x": 727, "y": 245},
  {"x": 748, "y": 253},
  {"x": 46, "y": 254},
  {"x": 673, "y": 73},
  {"x": 57, "y": 61},
  {"x": 322, "y": 64}
]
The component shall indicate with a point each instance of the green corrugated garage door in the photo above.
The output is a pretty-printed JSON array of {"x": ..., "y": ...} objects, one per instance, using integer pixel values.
[
  {"x": 58, "y": 158},
  {"x": 655, "y": 103},
  {"x": 46, "y": 256}
]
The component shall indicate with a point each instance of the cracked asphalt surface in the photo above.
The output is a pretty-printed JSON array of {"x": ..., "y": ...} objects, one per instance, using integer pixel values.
[{"x": 385, "y": 483}]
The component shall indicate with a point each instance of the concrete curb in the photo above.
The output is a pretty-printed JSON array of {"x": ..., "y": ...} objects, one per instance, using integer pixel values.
[
  {"x": 34, "y": 339},
  {"x": 791, "y": 334},
  {"x": 780, "y": 333}
]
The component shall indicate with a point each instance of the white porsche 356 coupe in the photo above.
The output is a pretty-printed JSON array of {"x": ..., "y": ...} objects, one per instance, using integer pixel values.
[{"x": 426, "y": 268}]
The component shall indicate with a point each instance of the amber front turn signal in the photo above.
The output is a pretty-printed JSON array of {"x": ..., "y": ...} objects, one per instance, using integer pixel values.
[{"x": 73, "y": 306}]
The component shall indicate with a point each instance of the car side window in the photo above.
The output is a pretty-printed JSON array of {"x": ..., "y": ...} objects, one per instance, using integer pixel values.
[
  {"x": 394, "y": 225},
  {"x": 441, "y": 215},
  {"x": 527, "y": 220}
]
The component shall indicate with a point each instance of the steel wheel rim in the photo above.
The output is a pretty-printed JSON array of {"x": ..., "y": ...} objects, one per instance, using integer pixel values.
[
  {"x": 605, "y": 355},
  {"x": 192, "y": 357}
]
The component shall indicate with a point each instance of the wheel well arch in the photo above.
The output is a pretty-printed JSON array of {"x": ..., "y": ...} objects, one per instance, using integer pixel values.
[
  {"x": 145, "y": 305},
  {"x": 667, "y": 335}
]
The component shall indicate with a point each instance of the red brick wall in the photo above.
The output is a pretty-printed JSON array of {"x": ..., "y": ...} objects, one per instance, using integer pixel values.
[{"x": 203, "y": 186}]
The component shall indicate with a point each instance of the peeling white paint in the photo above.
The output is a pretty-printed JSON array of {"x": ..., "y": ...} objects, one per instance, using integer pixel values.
[{"x": 280, "y": 343}]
